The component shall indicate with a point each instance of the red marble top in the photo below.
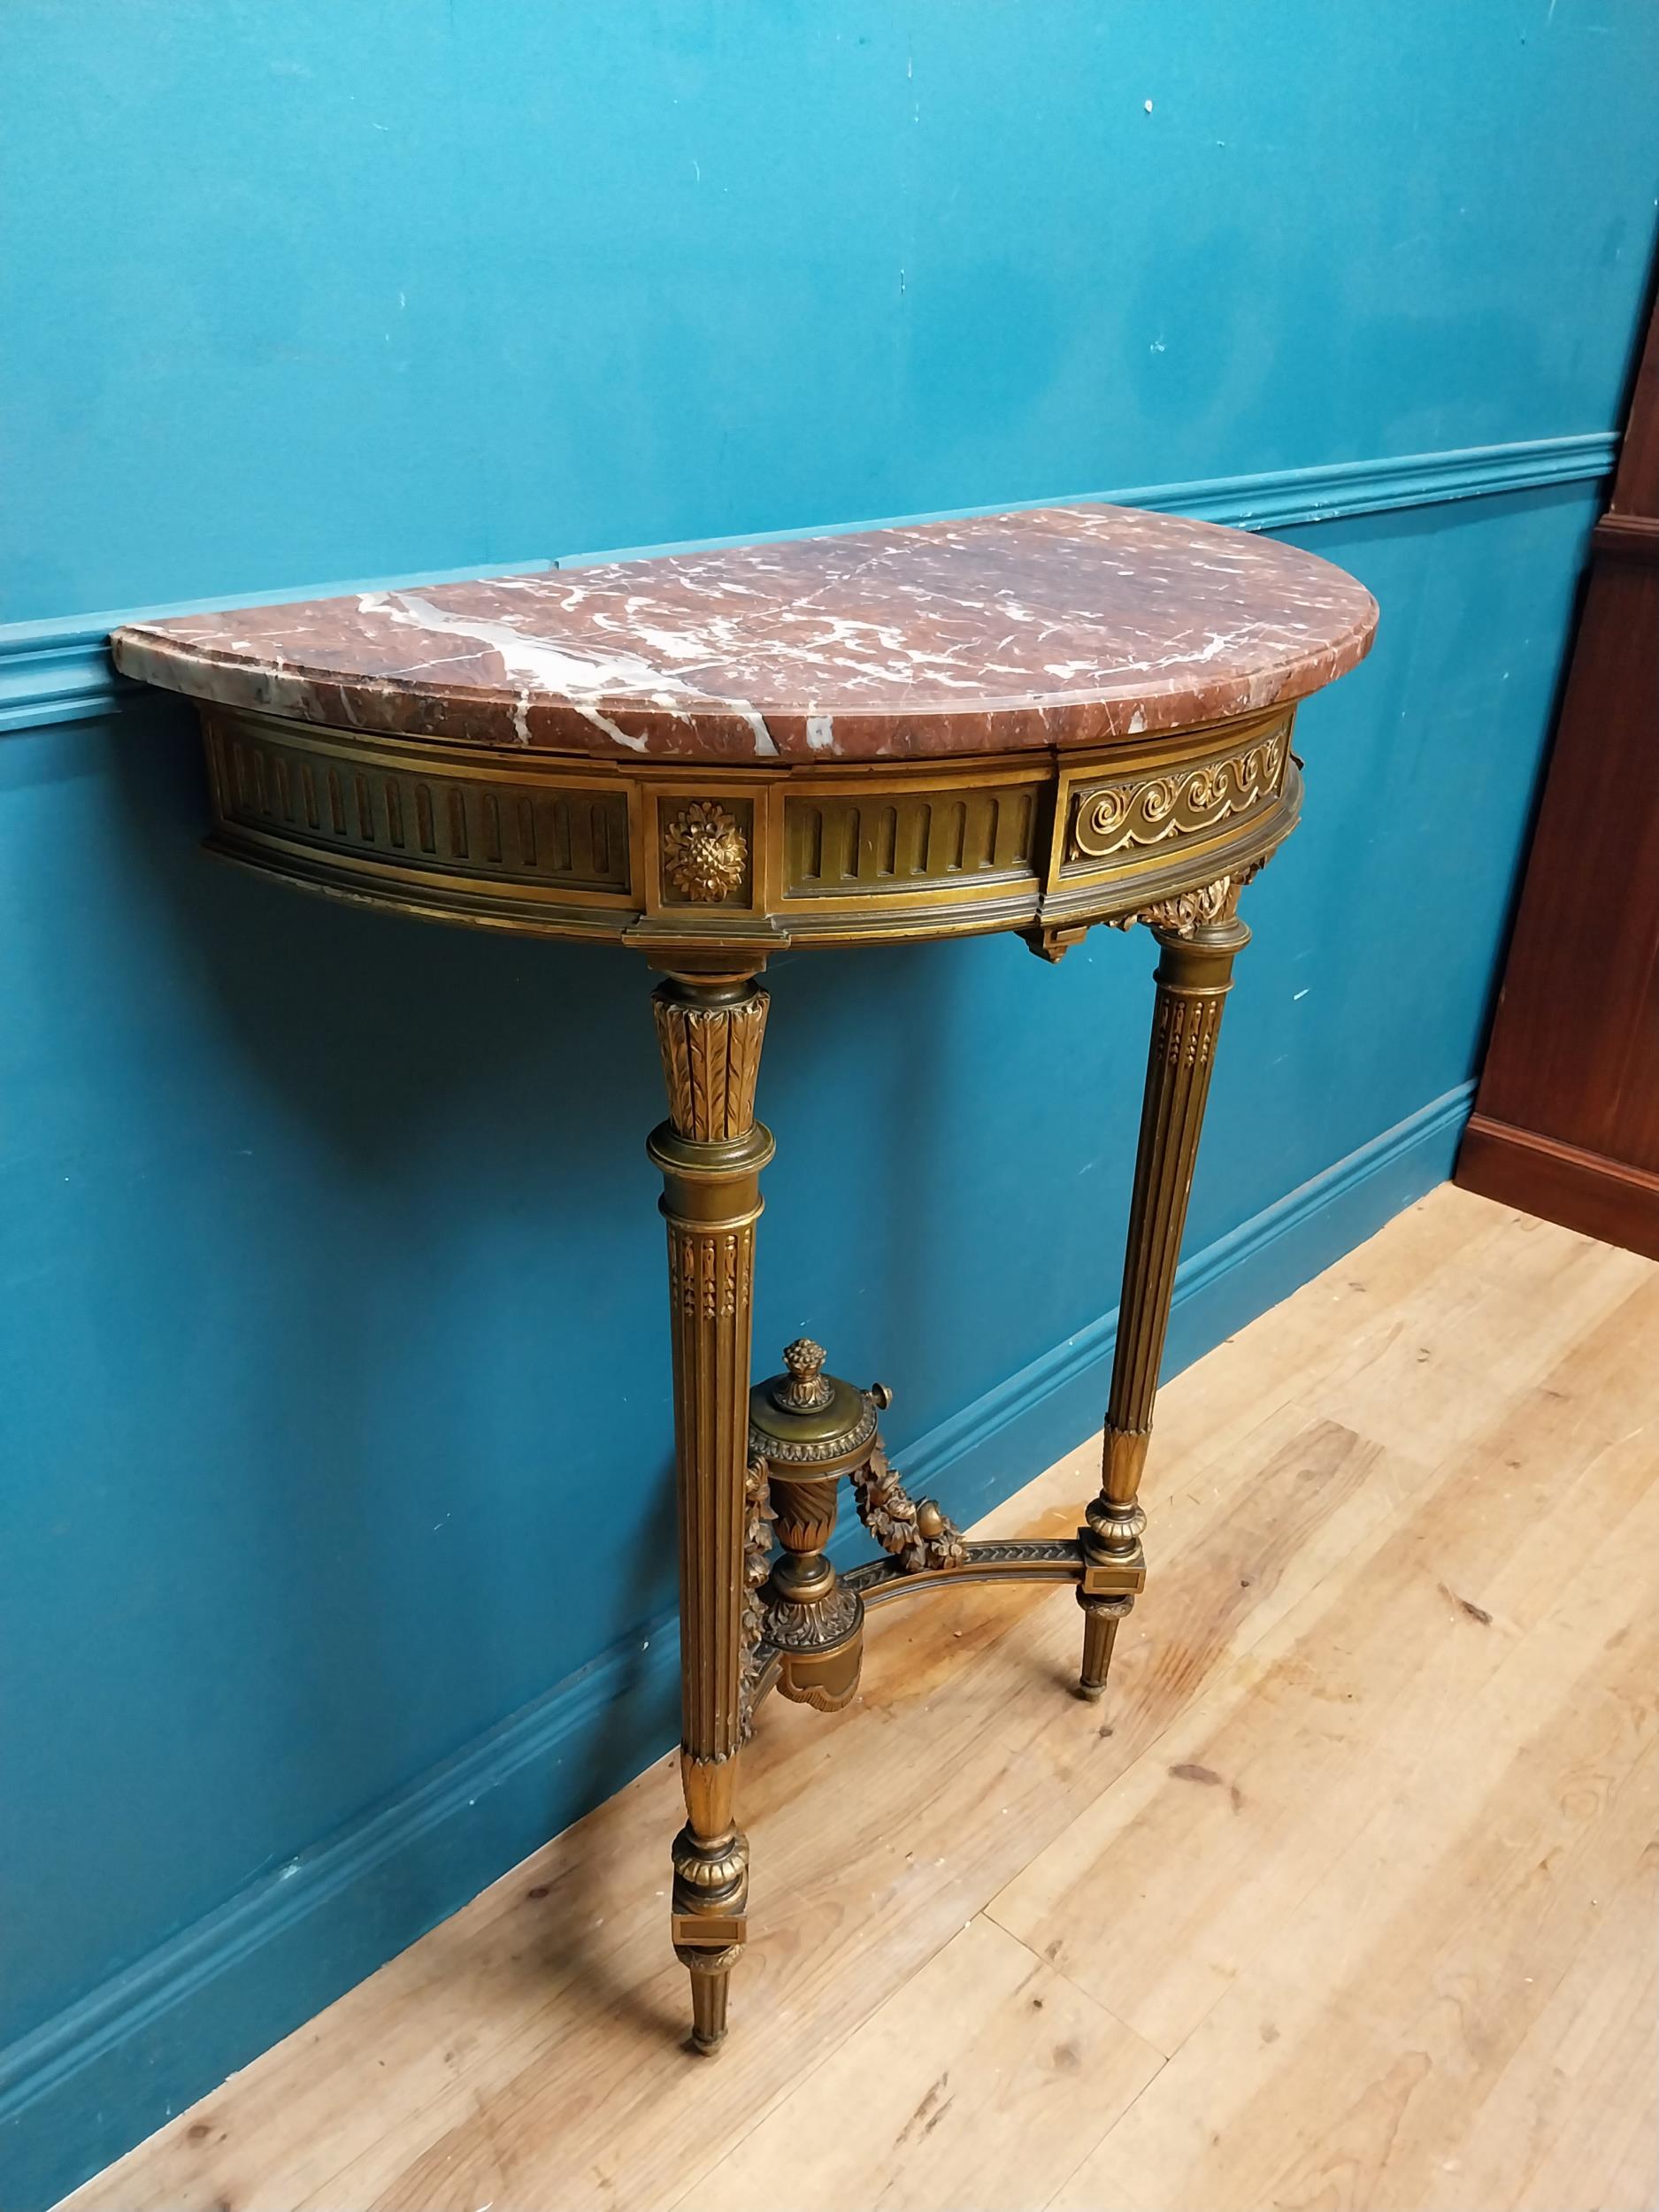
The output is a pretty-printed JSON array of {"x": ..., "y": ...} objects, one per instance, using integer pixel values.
[{"x": 1054, "y": 626}]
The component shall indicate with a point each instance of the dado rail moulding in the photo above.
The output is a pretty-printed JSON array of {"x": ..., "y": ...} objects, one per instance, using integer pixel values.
[{"x": 60, "y": 671}]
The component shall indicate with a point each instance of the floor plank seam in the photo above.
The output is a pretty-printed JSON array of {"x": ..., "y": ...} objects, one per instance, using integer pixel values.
[
  {"x": 1051, "y": 1966},
  {"x": 1106, "y": 2134}
]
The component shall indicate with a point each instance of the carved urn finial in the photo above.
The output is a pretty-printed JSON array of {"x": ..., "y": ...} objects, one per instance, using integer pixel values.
[{"x": 806, "y": 1389}]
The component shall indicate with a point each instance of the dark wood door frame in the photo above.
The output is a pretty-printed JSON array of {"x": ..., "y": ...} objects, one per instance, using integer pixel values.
[{"x": 1566, "y": 1122}]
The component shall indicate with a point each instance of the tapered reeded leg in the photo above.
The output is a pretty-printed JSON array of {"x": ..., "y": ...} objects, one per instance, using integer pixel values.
[
  {"x": 711, "y": 1151},
  {"x": 1199, "y": 937}
]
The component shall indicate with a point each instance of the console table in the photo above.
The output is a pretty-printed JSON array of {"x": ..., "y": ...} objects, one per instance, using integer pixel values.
[{"x": 1030, "y": 722}]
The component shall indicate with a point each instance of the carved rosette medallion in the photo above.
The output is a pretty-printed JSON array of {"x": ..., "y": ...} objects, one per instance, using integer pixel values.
[{"x": 705, "y": 854}]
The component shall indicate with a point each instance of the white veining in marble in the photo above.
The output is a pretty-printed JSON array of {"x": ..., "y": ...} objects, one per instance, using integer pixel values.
[{"x": 1054, "y": 626}]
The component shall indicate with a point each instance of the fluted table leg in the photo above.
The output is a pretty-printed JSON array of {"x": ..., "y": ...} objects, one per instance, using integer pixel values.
[
  {"x": 1199, "y": 936},
  {"x": 711, "y": 1151}
]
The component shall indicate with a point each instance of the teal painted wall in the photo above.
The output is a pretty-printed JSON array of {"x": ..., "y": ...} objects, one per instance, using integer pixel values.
[{"x": 329, "y": 1277}]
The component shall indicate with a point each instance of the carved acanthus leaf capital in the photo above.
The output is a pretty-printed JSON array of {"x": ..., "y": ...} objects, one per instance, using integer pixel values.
[
  {"x": 1189, "y": 911},
  {"x": 710, "y": 1060}
]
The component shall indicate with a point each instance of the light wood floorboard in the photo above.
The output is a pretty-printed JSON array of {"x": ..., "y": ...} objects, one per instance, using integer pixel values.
[{"x": 1344, "y": 1899}]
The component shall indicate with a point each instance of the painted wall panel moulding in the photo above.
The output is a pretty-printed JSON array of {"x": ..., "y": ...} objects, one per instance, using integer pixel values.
[
  {"x": 320, "y": 1922},
  {"x": 1288, "y": 497},
  {"x": 60, "y": 672}
]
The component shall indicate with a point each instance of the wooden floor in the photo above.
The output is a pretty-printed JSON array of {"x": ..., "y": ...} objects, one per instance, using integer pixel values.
[{"x": 1346, "y": 1899}]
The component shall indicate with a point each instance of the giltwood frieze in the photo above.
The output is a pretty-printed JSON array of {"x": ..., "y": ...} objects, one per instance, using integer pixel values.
[{"x": 746, "y": 860}]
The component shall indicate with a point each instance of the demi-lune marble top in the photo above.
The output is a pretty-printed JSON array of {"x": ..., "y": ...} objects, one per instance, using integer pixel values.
[{"x": 1058, "y": 626}]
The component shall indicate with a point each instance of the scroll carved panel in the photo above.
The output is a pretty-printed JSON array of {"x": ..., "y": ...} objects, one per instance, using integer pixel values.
[{"x": 1116, "y": 817}]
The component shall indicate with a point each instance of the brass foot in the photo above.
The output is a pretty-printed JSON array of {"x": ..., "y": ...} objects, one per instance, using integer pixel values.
[
  {"x": 710, "y": 1893},
  {"x": 710, "y": 1980},
  {"x": 1114, "y": 1570},
  {"x": 1100, "y": 1617}
]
